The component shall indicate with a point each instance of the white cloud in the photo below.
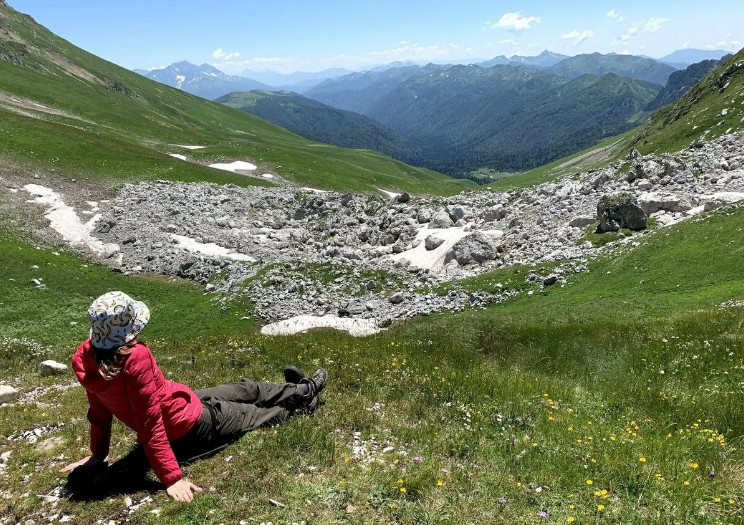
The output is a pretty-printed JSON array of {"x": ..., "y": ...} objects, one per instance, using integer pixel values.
[
  {"x": 685, "y": 45},
  {"x": 515, "y": 22},
  {"x": 510, "y": 42},
  {"x": 219, "y": 54},
  {"x": 614, "y": 14},
  {"x": 632, "y": 30},
  {"x": 654, "y": 24},
  {"x": 578, "y": 36}
]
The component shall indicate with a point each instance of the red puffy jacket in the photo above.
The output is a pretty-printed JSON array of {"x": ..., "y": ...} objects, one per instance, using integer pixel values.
[{"x": 156, "y": 408}]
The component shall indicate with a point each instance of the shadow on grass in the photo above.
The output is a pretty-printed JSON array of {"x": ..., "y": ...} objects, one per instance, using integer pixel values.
[{"x": 129, "y": 474}]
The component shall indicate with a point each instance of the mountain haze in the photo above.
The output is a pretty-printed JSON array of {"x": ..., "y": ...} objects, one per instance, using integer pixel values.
[
  {"x": 686, "y": 57},
  {"x": 359, "y": 91},
  {"x": 629, "y": 66},
  {"x": 542, "y": 61},
  {"x": 203, "y": 81}
]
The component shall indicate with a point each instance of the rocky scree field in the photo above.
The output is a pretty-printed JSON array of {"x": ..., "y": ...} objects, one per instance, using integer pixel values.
[{"x": 295, "y": 252}]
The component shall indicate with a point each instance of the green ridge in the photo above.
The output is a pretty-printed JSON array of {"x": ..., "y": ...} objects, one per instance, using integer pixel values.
[{"x": 100, "y": 120}]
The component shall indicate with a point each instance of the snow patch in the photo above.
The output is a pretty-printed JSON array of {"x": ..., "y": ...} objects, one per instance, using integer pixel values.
[
  {"x": 267, "y": 176},
  {"x": 63, "y": 219},
  {"x": 236, "y": 166},
  {"x": 178, "y": 156},
  {"x": 390, "y": 194},
  {"x": 313, "y": 190},
  {"x": 190, "y": 245},
  {"x": 433, "y": 260},
  {"x": 302, "y": 323},
  {"x": 187, "y": 147}
]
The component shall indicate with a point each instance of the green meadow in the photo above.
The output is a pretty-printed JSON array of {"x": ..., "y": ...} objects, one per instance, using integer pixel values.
[{"x": 614, "y": 399}]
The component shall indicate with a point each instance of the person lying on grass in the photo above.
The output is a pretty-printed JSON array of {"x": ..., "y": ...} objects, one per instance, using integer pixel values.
[{"x": 121, "y": 379}]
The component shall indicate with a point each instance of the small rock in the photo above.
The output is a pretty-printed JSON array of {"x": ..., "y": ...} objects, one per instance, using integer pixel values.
[
  {"x": 50, "y": 367},
  {"x": 433, "y": 242},
  {"x": 8, "y": 394},
  {"x": 397, "y": 298}
]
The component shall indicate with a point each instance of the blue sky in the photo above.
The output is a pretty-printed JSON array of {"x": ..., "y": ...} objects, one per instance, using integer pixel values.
[{"x": 292, "y": 35}]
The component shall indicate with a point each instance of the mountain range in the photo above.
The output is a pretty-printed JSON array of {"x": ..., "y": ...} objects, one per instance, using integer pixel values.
[
  {"x": 65, "y": 113},
  {"x": 203, "y": 81},
  {"x": 629, "y": 66},
  {"x": 686, "y": 57},
  {"x": 316, "y": 121},
  {"x": 542, "y": 61},
  {"x": 209, "y": 82}
]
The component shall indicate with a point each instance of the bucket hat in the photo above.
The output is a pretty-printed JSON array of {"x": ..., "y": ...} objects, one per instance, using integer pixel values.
[{"x": 116, "y": 319}]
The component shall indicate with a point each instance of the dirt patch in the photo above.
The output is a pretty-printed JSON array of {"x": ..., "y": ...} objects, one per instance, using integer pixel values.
[
  {"x": 15, "y": 101},
  {"x": 70, "y": 67}
]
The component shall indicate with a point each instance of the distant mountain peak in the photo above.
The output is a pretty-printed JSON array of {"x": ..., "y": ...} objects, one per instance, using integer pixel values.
[{"x": 205, "y": 81}]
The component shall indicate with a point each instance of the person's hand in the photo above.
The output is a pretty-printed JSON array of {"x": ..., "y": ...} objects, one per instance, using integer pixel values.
[
  {"x": 90, "y": 461},
  {"x": 182, "y": 490}
]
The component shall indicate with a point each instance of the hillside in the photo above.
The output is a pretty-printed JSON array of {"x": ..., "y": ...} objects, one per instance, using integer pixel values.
[
  {"x": 625, "y": 373},
  {"x": 638, "y": 68},
  {"x": 316, "y": 121},
  {"x": 508, "y": 117},
  {"x": 70, "y": 114},
  {"x": 711, "y": 108},
  {"x": 680, "y": 82},
  {"x": 359, "y": 91},
  {"x": 517, "y": 367}
]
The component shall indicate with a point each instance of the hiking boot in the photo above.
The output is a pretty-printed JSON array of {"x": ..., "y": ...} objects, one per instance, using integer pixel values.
[
  {"x": 315, "y": 385},
  {"x": 293, "y": 375}
]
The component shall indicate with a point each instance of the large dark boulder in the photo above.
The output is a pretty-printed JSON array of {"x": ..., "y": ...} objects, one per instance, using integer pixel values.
[
  {"x": 620, "y": 211},
  {"x": 474, "y": 248}
]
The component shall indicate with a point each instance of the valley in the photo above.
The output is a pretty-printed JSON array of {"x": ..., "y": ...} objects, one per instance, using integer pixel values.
[{"x": 561, "y": 345}]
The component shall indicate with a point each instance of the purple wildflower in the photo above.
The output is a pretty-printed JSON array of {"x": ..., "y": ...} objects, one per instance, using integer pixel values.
[
  {"x": 712, "y": 474},
  {"x": 502, "y": 500},
  {"x": 542, "y": 514},
  {"x": 417, "y": 458}
]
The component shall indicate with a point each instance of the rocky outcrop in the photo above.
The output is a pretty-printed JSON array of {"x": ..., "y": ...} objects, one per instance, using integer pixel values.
[
  {"x": 620, "y": 211},
  {"x": 293, "y": 251},
  {"x": 475, "y": 248}
]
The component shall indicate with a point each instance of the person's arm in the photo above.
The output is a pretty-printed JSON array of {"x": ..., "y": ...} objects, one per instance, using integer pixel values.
[
  {"x": 100, "y": 419},
  {"x": 151, "y": 429}
]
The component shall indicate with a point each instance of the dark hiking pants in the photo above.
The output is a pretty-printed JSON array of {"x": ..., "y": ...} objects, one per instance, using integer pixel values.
[{"x": 231, "y": 410}]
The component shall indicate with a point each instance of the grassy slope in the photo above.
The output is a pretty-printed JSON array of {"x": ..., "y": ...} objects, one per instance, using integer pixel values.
[
  {"x": 672, "y": 128},
  {"x": 699, "y": 113},
  {"x": 548, "y": 390},
  {"x": 594, "y": 157},
  {"x": 117, "y": 123}
]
